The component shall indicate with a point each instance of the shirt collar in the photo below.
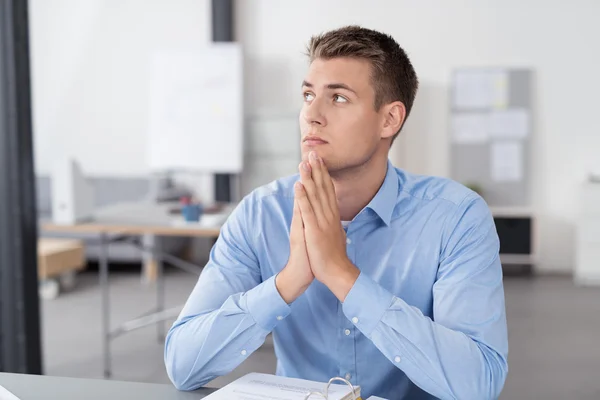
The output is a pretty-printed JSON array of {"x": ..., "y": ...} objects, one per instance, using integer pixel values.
[{"x": 384, "y": 201}]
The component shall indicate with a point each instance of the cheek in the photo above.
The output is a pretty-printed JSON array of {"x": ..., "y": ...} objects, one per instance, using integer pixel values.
[{"x": 356, "y": 128}]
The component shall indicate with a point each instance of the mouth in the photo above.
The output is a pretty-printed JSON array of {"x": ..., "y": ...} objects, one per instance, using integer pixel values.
[{"x": 313, "y": 141}]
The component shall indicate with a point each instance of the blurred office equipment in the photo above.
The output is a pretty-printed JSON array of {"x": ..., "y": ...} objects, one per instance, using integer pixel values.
[
  {"x": 72, "y": 195},
  {"x": 587, "y": 265},
  {"x": 491, "y": 134},
  {"x": 110, "y": 191}
]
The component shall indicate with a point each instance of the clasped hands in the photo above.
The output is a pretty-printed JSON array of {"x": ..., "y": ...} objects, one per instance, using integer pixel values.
[{"x": 317, "y": 239}]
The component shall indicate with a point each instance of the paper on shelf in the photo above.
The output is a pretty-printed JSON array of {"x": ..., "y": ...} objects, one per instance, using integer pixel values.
[
  {"x": 510, "y": 123},
  {"x": 507, "y": 161},
  {"x": 255, "y": 386},
  {"x": 470, "y": 128}
]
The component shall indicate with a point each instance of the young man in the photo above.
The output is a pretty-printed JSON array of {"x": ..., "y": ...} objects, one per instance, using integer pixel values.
[{"x": 359, "y": 269}]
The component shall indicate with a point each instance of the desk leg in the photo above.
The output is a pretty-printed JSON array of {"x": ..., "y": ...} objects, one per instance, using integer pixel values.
[
  {"x": 105, "y": 304},
  {"x": 160, "y": 288}
]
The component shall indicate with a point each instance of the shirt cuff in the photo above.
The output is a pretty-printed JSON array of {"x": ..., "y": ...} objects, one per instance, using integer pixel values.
[
  {"x": 366, "y": 303},
  {"x": 266, "y": 305}
]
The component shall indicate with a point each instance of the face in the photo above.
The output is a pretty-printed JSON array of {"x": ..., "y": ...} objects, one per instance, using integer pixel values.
[{"x": 338, "y": 118}]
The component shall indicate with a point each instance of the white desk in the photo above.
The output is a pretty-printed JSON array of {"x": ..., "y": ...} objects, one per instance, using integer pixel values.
[{"x": 40, "y": 387}]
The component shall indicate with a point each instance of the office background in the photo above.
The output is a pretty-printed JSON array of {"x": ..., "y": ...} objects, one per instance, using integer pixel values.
[
  {"x": 90, "y": 88},
  {"x": 89, "y": 74}
]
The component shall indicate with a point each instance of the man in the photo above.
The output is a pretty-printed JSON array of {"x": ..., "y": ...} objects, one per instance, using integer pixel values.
[{"x": 359, "y": 269}]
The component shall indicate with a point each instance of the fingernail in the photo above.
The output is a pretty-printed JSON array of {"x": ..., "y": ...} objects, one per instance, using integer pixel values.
[
  {"x": 313, "y": 155},
  {"x": 306, "y": 166}
]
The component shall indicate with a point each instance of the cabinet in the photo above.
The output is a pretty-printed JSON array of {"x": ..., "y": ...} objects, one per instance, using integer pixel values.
[
  {"x": 517, "y": 231},
  {"x": 587, "y": 246}
]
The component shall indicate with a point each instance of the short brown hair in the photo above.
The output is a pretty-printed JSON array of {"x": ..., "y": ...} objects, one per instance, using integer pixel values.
[{"x": 393, "y": 77}]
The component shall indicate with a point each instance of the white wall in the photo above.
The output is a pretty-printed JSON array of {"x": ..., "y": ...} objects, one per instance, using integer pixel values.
[
  {"x": 90, "y": 64},
  {"x": 86, "y": 95},
  {"x": 555, "y": 38}
]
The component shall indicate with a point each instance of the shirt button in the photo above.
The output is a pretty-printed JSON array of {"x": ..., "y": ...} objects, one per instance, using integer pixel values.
[
  {"x": 348, "y": 376},
  {"x": 355, "y": 320},
  {"x": 244, "y": 352},
  {"x": 279, "y": 318},
  {"x": 347, "y": 332},
  {"x": 397, "y": 359},
  {"x": 348, "y": 240}
]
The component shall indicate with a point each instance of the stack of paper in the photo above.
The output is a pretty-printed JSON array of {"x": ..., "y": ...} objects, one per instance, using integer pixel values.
[
  {"x": 6, "y": 395},
  {"x": 257, "y": 386}
]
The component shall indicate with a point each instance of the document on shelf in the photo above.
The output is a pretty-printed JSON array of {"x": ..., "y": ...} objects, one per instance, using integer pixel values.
[
  {"x": 255, "y": 386},
  {"x": 6, "y": 395}
]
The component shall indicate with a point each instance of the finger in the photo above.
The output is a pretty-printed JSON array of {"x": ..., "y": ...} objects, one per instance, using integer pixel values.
[
  {"x": 306, "y": 210},
  {"x": 296, "y": 219},
  {"x": 310, "y": 189},
  {"x": 329, "y": 189},
  {"x": 320, "y": 190}
]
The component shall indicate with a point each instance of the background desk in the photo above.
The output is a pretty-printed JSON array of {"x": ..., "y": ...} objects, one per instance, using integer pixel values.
[
  {"x": 36, "y": 387},
  {"x": 142, "y": 218}
]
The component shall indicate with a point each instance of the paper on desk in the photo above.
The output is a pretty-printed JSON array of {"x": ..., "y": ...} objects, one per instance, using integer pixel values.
[
  {"x": 507, "y": 161},
  {"x": 257, "y": 386},
  {"x": 470, "y": 128},
  {"x": 6, "y": 395}
]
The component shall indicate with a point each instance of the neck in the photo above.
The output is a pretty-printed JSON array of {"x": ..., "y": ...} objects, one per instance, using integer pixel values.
[{"x": 356, "y": 187}]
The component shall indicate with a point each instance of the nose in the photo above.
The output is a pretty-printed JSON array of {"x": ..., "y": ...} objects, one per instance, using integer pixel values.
[{"x": 313, "y": 113}]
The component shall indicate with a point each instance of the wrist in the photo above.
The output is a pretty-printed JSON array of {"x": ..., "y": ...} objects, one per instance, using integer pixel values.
[
  {"x": 288, "y": 286},
  {"x": 341, "y": 279}
]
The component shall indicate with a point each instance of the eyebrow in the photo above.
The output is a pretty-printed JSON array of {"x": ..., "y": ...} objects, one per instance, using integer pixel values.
[{"x": 331, "y": 86}]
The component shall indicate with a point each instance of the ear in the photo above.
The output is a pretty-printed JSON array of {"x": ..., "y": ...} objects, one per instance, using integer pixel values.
[{"x": 394, "y": 115}]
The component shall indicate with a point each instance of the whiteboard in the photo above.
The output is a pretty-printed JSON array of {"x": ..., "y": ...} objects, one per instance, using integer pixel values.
[{"x": 196, "y": 110}]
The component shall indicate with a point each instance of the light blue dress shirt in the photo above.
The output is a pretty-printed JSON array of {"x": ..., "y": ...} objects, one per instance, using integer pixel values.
[{"x": 425, "y": 319}]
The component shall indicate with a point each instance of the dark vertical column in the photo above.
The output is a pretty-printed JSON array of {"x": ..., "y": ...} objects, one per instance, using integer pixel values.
[
  {"x": 222, "y": 31},
  {"x": 20, "y": 347}
]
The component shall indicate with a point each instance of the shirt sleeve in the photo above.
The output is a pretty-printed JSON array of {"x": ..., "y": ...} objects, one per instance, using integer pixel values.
[
  {"x": 229, "y": 312},
  {"x": 462, "y": 352}
]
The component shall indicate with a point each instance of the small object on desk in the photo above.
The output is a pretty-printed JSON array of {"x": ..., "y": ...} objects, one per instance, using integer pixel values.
[{"x": 191, "y": 211}]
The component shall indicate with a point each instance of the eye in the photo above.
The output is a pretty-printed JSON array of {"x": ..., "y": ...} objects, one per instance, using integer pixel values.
[
  {"x": 308, "y": 96},
  {"x": 340, "y": 99}
]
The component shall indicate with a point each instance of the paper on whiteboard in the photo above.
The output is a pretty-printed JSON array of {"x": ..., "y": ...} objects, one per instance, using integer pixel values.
[
  {"x": 470, "y": 128},
  {"x": 6, "y": 395},
  {"x": 472, "y": 89},
  {"x": 478, "y": 88},
  {"x": 510, "y": 123},
  {"x": 507, "y": 161}
]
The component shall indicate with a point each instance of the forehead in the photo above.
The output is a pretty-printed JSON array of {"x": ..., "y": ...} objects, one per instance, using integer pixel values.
[{"x": 353, "y": 72}]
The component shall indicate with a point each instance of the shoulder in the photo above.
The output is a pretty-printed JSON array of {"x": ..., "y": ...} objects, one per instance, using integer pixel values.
[
  {"x": 448, "y": 199},
  {"x": 434, "y": 188},
  {"x": 268, "y": 199}
]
